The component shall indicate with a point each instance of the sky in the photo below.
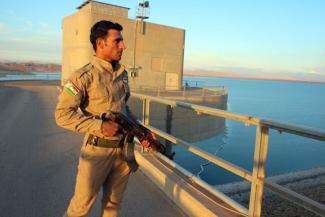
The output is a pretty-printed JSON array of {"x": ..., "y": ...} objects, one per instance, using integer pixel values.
[{"x": 245, "y": 36}]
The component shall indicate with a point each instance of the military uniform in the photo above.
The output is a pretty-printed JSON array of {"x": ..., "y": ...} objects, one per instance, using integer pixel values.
[{"x": 95, "y": 89}]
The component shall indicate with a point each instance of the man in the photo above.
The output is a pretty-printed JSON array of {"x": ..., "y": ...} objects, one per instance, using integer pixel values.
[{"x": 98, "y": 88}]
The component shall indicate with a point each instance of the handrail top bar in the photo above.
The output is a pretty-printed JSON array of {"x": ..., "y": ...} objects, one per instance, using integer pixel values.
[{"x": 317, "y": 134}]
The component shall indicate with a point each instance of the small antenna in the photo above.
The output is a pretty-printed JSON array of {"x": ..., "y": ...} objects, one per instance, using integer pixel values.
[{"x": 143, "y": 10}]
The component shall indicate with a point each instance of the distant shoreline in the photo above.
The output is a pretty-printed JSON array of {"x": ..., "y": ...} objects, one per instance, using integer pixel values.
[
  {"x": 25, "y": 73},
  {"x": 26, "y": 67},
  {"x": 254, "y": 78}
]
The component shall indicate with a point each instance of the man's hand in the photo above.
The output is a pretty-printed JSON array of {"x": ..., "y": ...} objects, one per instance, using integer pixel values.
[
  {"x": 109, "y": 128},
  {"x": 145, "y": 143}
]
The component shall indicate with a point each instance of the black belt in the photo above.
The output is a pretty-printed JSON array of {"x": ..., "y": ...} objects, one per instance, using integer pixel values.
[{"x": 105, "y": 143}]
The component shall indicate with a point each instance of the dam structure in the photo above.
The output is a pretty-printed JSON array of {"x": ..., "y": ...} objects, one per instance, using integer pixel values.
[{"x": 38, "y": 162}]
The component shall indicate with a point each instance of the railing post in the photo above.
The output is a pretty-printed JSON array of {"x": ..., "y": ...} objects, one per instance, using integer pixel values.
[
  {"x": 145, "y": 115},
  {"x": 260, "y": 154},
  {"x": 169, "y": 119},
  {"x": 145, "y": 111}
]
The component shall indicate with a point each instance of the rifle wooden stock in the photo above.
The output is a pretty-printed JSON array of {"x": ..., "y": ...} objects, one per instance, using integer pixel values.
[{"x": 134, "y": 128}]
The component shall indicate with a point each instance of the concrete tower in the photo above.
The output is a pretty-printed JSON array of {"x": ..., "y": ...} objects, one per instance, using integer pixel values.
[{"x": 154, "y": 55}]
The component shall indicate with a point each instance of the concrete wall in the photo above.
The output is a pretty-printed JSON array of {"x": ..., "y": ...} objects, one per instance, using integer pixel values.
[
  {"x": 154, "y": 52},
  {"x": 77, "y": 50}
]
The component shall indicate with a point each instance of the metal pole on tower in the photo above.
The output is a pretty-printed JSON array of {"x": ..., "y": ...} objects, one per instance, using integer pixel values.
[{"x": 142, "y": 14}]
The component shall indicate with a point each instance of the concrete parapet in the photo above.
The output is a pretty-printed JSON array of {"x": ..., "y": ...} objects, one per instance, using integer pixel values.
[{"x": 192, "y": 201}]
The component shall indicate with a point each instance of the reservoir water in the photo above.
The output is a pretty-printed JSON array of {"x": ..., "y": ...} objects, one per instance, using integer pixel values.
[
  {"x": 15, "y": 76},
  {"x": 297, "y": 103}
]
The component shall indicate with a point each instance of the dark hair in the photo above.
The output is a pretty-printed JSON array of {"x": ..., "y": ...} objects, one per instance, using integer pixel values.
[{"x": 99, "y": 30}]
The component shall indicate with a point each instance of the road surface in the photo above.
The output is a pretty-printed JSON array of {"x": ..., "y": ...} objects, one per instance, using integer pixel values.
[{"x": 38, "y": 160}]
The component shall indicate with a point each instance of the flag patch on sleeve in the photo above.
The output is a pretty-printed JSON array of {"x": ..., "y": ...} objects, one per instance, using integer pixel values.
[{"x": 71, "y": 88}]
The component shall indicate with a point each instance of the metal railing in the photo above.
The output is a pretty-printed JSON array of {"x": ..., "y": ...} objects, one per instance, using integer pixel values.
[
  {"x": 194, "y": 83},
  {"x": 257, "y": 176},
  {"x": 185, "y": 91}
]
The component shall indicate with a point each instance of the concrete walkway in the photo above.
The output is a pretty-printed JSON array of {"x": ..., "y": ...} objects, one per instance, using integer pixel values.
[{"x": 38, "y": 160}]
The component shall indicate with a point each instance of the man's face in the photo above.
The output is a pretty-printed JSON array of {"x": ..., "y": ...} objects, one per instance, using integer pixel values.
[{"x": 113, "y": 46}]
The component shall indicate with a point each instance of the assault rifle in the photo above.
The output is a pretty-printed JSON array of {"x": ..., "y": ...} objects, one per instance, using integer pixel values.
[{"x": 131, "y": 127}]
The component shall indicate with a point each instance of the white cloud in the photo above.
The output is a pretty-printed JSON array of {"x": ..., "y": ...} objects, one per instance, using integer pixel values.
[
  {"x": 8, "y": 12},
  {"x": 317, "y": 72},
  {"x": 27, "y": 40},
  {"x": 37, "y": 47},
  {"x": 28, "y": 23},
  {"x": 21, "y": 23},
  {"x": 44, "y": 25},
  {"x": 2, "y": 27}
]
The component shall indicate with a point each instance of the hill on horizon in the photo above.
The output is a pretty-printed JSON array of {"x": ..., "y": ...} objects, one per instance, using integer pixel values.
[
  {"x": 262, "y": 76},
  {"x": 16, "y": 66}
]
